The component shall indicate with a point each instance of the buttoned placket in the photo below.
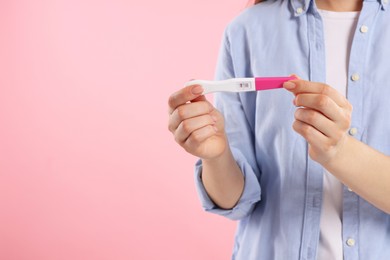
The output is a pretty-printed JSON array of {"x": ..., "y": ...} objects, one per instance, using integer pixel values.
[{"x": 355, "y": 95}]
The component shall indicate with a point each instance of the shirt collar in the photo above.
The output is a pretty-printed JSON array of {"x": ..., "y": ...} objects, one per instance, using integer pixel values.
[
  {"x": 300, "y": 7},
  {"x": 384, "y": 3}
]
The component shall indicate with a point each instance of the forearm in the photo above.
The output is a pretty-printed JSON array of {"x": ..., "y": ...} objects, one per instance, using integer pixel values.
[
  {"x": 223, "y": 180},
  {"x": 364, "y": 170}
]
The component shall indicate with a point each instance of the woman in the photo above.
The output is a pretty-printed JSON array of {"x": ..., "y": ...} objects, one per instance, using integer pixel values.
[{"x": 307, "y": 176}]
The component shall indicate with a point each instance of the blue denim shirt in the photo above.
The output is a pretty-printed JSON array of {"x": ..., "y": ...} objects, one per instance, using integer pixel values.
[{"x": 279, "y": 210}]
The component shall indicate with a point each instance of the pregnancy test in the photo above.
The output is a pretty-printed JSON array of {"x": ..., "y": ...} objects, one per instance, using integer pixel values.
[{"x": 240, "y": 84}]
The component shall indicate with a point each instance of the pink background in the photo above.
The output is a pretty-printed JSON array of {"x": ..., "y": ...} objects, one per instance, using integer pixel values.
[{"x": 88, "y": 169}]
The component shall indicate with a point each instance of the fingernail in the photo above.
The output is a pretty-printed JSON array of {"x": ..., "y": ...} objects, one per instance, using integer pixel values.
[
  {"x": 295, "y": 75},
  {"x": 289, "y": 85},
  {"x": 197, "y": 90}
]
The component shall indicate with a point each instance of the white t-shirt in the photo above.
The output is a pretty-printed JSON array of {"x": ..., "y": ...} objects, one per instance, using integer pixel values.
[{"x": 339, "y": 28}]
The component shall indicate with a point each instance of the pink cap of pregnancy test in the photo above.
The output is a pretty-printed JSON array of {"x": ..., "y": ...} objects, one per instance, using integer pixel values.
[{"x": 272, "y": 82}]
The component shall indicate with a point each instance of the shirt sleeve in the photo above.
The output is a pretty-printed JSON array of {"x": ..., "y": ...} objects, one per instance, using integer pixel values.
[{"x": 241, "y": 141}]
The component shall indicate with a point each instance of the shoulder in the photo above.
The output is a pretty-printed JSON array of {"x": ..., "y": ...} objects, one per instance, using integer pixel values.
[{"x": 263, "y": 14}]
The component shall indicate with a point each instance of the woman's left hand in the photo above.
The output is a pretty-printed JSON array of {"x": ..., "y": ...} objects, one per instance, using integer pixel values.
[{"x": 323, "y": 118}]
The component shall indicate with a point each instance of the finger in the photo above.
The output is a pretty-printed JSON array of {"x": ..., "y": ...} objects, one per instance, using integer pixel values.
[
  {"x": 312, "y": 135},
  {"x": 320, "y": 147},
  {"x": 187, "y": 127},
  {"x": 183, "y": 96},
  {"x": 219, "y": 120},
  {"x": 318, "y": 121},
  {"x": 321, "y": 103},
  {"x": 199, "y": 136},
  {"x": 187, "y": 111},
  {"x": 200, "y": 98},
  {"x": 304, "y": 86},
  {"x": 295, "y": 75}
]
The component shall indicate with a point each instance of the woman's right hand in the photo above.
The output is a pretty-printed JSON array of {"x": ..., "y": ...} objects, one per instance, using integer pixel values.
[{"x": 196, "y": 125}]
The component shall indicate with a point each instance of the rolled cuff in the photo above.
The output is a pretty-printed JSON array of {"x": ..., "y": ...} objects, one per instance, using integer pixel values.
[{"x": 250, "y": 196}]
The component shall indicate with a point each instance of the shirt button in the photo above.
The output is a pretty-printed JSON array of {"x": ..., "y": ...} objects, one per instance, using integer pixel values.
[
  {"x": 299, "y": 10},
  {"x": 353, "y": 131},
  {"x": 349, "y": 189},
  {"x": 363, "y": 29},
  {"x": 355, "y": 77},
  {"x": 350, "y": 242}
]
